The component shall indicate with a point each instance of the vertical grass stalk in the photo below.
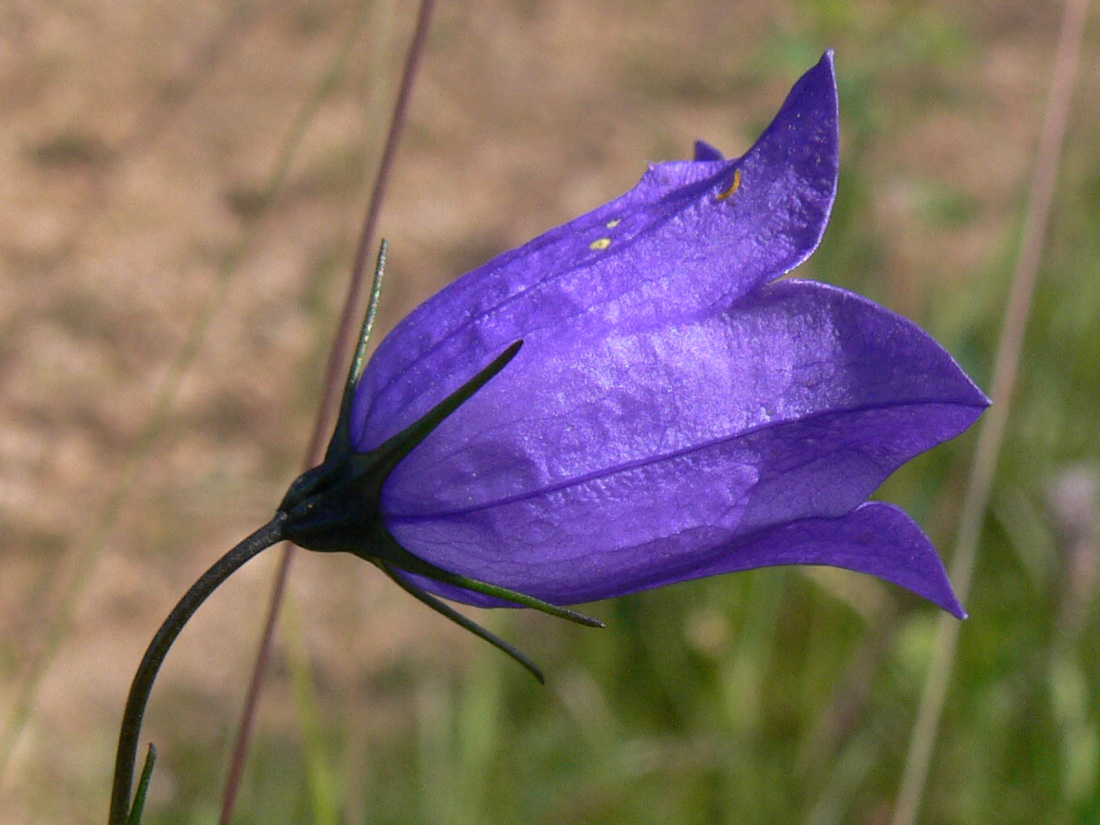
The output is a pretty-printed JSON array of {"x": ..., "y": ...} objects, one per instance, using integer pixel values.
[
  {"x": 333, "y": 390},
  {"x": 1006, "y": 368}
]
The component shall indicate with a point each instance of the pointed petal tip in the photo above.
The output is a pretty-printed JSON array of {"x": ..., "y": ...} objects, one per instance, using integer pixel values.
[
  {"x": 705, "y": 152},
  {"x": 825, "y": 68},
  {"x": 904, "y": 555},
  {"x": 795, "y": 165},
  {"x": 947, "y": 600},
  {"x": 822, "y": 72},
  {"x": 877, "y": 539}
]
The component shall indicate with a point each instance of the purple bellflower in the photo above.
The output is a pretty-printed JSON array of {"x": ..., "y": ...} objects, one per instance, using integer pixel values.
[
  {"x": 675, "y": 411},
  {"x": 630, "y": 400}
]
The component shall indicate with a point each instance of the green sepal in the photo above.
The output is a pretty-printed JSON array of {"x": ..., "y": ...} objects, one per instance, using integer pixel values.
[
  {"x": 340, "y": 443},
  {"x": 462, "y": 621},
  {"x": 335, "y": 506},
  {"x": 390, "y": 550}
]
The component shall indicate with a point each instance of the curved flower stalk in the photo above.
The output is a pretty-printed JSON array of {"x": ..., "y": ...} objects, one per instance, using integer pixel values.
[
  {"x": 674, "y": 411},
  {"x": 630, "y": 400}
]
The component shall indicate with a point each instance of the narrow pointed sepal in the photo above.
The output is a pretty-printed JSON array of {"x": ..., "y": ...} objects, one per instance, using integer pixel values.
[
  {"x": 445, "y": 610},
  {"x": 340, "y": 444},
  {"x": 335, "y": 506},
  {"x": 387, "y": 548}
]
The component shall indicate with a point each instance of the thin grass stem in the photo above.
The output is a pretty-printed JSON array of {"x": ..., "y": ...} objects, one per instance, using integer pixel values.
[
  {"x": 1006, "y": 368},
  {"x": 324, "y": 802},
  {"x": 331, "y": 396}
]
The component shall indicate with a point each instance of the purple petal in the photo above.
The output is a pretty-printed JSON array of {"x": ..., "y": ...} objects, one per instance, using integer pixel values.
[
  {"x": 803, "y": 383},
  {"x": 876, "y": 538},
  {"x": 705, "y": 152},
  {"x": 570, "y": 478},
  {"x": 671, "y": 247}
]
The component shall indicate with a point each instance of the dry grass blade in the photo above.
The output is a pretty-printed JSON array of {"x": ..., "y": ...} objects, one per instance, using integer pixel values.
[
  {"x": 69, "y": 584},
  {"x": 1006, "y": 368},
  {"x": 333, "y": 388}
]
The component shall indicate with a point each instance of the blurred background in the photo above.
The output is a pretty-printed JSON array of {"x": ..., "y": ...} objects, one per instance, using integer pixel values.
[{"x": 181, "y": 185}]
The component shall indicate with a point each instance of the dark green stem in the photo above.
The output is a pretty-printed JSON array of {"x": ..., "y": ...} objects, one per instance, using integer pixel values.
[{"x": 140, "y": 689}]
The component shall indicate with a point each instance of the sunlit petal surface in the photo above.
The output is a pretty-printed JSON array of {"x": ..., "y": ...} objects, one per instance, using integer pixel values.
[{"x": 675, "y": 411}]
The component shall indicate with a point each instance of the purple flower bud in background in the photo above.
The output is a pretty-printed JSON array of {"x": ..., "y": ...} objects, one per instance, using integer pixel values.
[{"x": 675, "y": 411}]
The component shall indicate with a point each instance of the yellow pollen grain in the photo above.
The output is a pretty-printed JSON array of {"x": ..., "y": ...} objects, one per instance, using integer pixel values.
[
  {"x": 600, "y": 245},
  {"x": 613, "y": 224},
  {"x": 733, "y": 187}
]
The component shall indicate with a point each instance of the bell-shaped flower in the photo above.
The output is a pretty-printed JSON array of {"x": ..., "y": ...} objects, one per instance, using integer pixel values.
[
  {"x": 675, "y": 410},
  {"x": 630, "y": 400}
]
